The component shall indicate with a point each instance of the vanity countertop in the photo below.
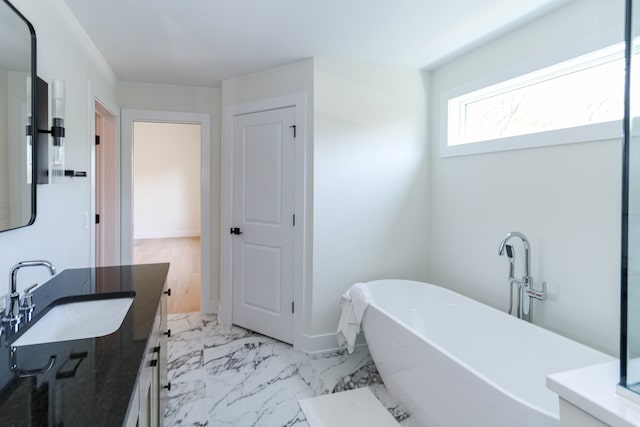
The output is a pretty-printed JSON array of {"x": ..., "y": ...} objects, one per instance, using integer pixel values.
[{"x": 92, "y": 380}]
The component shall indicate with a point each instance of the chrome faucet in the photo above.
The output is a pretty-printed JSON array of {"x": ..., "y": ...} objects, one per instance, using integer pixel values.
[
  {"x": 526, "y": 290},
  {"x": 12, "y": 315}
]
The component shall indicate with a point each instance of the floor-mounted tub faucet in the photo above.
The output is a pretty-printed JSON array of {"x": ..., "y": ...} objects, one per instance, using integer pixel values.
[
  {"x": 12, "y": 314},
  {"x": 526, "y": 290}
]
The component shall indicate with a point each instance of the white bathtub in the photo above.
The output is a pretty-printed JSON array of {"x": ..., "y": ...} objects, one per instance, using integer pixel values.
[{"x": 452, "y": 361}]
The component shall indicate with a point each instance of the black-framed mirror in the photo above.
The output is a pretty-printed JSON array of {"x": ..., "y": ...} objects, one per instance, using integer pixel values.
[{"x": 17, "y": 135}]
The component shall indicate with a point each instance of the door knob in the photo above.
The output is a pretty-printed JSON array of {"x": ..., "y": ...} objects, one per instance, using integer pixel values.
[{"x": 235, "y": 230}]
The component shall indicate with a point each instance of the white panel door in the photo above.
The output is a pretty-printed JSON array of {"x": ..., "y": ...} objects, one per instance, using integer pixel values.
[{"x": 263, "y": 203}]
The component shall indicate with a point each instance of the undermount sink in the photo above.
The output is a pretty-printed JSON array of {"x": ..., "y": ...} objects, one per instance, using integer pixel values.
[{"x": 77, "y": 320}]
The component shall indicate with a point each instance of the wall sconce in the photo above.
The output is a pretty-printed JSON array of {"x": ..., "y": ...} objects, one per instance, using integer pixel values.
[
  {"x": 50, "y": 169},
  {"x": 57, "y": 131}
]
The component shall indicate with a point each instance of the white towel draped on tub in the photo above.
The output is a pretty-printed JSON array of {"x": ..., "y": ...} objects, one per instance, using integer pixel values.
[{"x": 353, "y": 303}]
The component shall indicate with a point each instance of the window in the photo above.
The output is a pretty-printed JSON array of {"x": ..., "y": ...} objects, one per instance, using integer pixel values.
[{"x": 577, "y": 100}]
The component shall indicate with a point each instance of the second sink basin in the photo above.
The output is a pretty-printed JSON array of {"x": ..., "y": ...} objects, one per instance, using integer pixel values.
[{"x": 77, "y": 320}]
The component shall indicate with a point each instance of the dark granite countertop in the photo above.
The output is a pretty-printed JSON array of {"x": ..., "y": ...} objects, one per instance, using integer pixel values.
[{"x": 93, "y": 379}]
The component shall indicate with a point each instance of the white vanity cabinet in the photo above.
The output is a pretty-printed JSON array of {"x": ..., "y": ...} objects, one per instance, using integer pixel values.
[{"x": 148, "y": 402}]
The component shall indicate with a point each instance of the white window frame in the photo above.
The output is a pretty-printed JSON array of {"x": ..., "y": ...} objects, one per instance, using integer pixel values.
[{"x": 480, "y": 90}]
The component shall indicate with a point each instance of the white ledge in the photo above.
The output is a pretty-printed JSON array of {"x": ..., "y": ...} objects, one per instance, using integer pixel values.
[{"x": 593, "y": 390}]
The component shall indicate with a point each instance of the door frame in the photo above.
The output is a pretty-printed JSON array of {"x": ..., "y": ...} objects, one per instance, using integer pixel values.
[
  {"x": 95, "y": 105},
  {"x": 299, "y": 102},
  {"x": 129, "y": 116},
  {"x": 106, "y": 185}
]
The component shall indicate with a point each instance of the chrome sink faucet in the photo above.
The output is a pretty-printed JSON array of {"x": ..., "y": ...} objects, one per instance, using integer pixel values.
[
  {"x": 526, "y": 290},
  {"x": 12, "y": 315}
]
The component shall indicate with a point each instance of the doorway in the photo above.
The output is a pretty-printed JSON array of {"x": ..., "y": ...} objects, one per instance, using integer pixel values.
[
  {"x": 180, "y": 246},
  {"x": 166, "y": 206}
]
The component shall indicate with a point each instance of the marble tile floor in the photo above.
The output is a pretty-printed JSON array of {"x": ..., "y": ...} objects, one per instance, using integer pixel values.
[{"x": 222, "y": 377}]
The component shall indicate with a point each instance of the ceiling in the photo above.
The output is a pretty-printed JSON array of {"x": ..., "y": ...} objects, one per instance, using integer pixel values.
[{"x": 201, "y": 42}]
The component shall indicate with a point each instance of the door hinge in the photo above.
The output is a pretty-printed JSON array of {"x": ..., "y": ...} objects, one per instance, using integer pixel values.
[
  {"x": 294, "y": 220},
  {"x": 97, "y": 139},
  {"x": 97, "y": 218},
  {"x": 293, "y": 308},
  {"x": 294, "y": 130}
]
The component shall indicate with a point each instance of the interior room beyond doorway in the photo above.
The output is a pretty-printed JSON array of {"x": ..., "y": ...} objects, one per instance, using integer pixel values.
[
  {"x": 166, "y": 206},
  {"x": 183, "y": 253}
]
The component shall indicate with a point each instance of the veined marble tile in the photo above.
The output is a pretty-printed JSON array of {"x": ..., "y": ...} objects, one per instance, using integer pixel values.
[
  {"x": 397, "y": 411},
  {"x": 183, "y": 351},
  {"x": 187, "y": 366},
  {"x": 285, "y": 414},
  {"x": 298, "y": 420},
  {"x": 253, "y": 380},
  {"x": 264, "y": 397},
  {"x": 185, "y": 327},
  {"x": 364, "y": 374},
  {"x": 267, "y": 418},
  {"x": 215, "y": 335},
  {"x": 186, "y": 337},
  {"x": 187, "y": 405},
  {"x": 185, "y": 324},
  {"x": 330, "y": 372},
  {"x": 248, "y": 354}
]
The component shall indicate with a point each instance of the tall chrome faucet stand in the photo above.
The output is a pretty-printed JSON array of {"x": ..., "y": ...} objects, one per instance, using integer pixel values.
[{"x": 526, "y": 291}]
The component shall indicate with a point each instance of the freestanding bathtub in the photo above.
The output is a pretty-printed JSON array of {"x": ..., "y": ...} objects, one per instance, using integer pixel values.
[{"x": 452, "y": 361}]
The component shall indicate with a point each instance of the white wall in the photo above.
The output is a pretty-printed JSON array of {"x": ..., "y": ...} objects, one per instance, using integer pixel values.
[
  {"x": 278, "y": 81},
  {"x": 371, "y": 180},
  {"x": 566, "y": 199},
  {"x": 166, "y": 180},
  {"x": 61, "y": 231}
]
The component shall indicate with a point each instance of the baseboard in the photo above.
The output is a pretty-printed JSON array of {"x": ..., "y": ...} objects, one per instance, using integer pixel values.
[
  {"x": 209, "y": 307},
  {"x": 165, "y": 234},
  {"x": 317, "y": 345}
]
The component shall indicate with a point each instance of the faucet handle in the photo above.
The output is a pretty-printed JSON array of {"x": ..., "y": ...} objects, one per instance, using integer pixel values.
[
  {"x": 27, "y": 304},
  {"x": 538, "y": 294},
  {"x": 27, "y": 292},
  {"x": 27, "y": 301},
  {"x": 30, "y": 288}
]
